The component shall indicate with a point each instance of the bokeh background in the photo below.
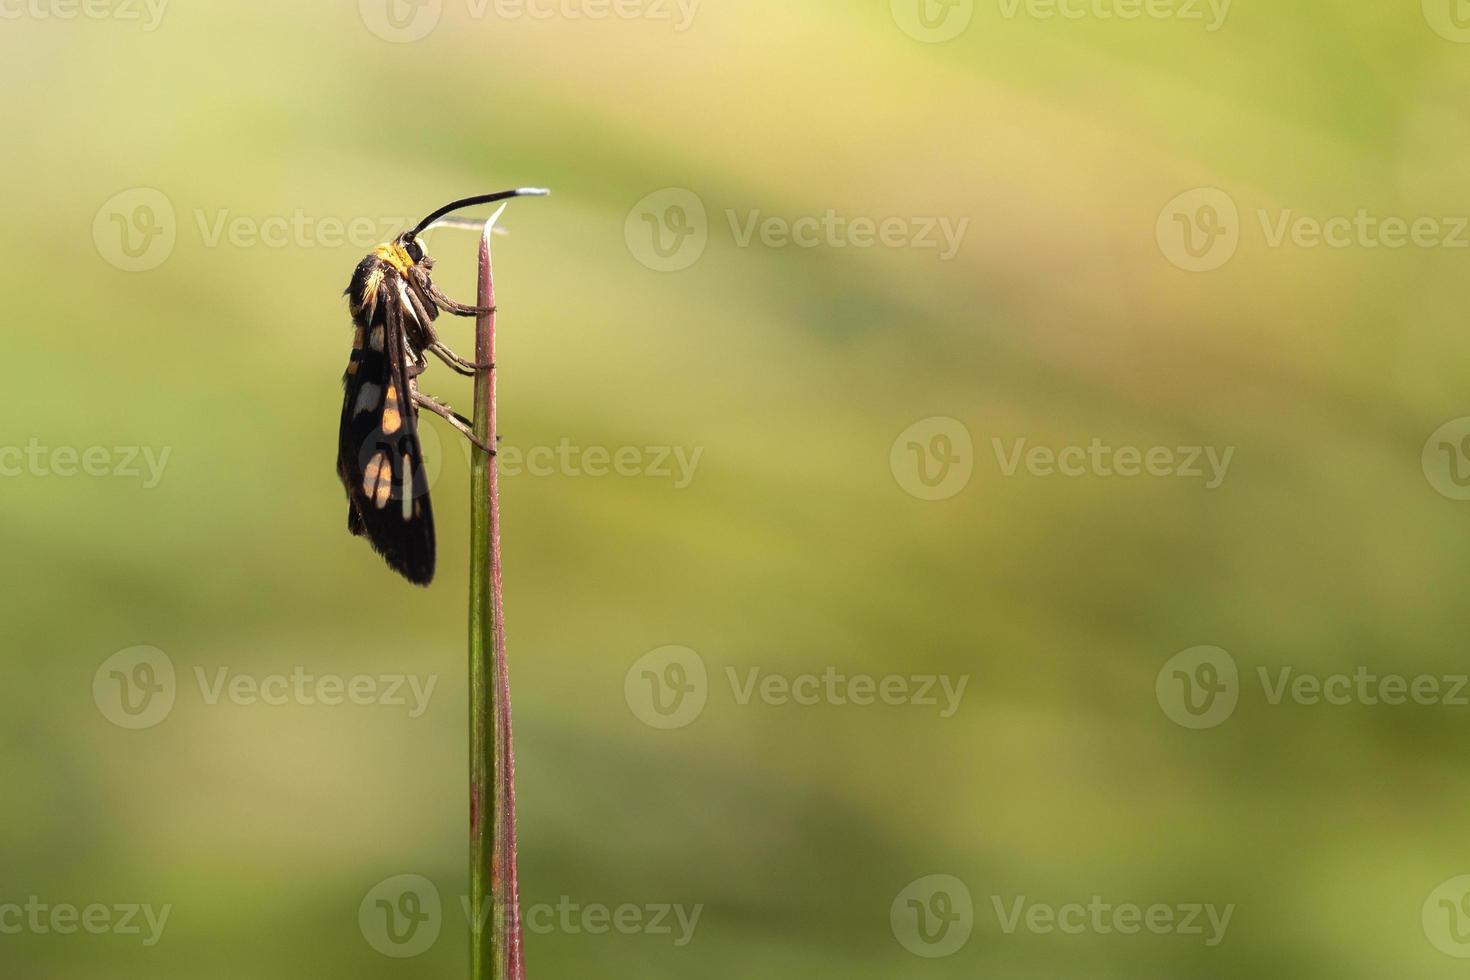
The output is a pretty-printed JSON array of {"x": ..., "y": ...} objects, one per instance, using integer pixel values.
[{"x": 185, "y": 192}]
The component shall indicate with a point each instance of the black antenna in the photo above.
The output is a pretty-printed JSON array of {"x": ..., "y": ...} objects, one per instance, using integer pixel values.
[{"x": 470, "y": 202}]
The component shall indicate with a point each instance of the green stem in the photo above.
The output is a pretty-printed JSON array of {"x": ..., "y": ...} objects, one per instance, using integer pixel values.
[{"x": 495, "y": 944}]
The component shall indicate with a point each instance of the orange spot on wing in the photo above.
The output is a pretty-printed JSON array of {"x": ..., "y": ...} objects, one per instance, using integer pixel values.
[
  {"x": 377, "y": 479},
  {"x": 392, "y": 417}
]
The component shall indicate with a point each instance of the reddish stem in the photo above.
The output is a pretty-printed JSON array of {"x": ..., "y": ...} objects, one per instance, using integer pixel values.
[{"x": 497, "y": 949}]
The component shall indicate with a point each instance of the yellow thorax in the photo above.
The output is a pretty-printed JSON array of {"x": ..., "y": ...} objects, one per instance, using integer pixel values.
[{"x": 394, "y": 255}]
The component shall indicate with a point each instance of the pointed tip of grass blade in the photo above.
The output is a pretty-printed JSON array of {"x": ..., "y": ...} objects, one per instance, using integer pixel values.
[{"x": 490, "y": 221}]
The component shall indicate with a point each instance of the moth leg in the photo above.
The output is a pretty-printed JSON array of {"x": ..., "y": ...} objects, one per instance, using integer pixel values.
[
  {"x": 453, "y": 418},
  {"x": 450, "y": 306},
  {"x": 457, "y": 369},
  {"x": 417, "y": 291},
  {"x": 417, "y": 300},
  {"x": 456, "y": 363},
  {"x": 443, "y": 351},
  {"x": 419, "y": 277}
]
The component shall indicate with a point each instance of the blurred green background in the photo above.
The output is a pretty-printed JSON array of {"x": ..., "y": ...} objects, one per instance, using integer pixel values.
[{"x": 1138, "y": 269}]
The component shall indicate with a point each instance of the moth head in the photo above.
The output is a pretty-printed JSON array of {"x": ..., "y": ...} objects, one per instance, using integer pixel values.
[
  {"x": 411, "y": 247},
  {"x": 403, "y": 253}
]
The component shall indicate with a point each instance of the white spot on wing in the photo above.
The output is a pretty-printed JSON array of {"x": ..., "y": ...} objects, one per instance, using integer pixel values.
[
  {"x": 367, "y": 398},
  {"x": 407, "y": 487}
]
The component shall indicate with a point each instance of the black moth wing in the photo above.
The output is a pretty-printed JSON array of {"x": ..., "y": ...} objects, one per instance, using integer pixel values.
[{"x": 379, "y": 455}]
